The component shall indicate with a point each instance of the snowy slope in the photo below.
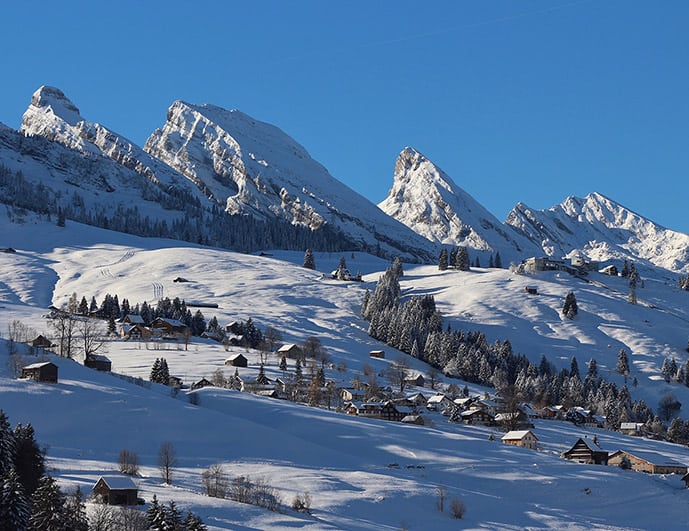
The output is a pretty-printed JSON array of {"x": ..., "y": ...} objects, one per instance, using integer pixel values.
[
  {"x": 342, "y": 461},
  {"x": 427, "y": 200},
  {"x": 604, "y": 230},
  {"x": 255, "y": 168}
]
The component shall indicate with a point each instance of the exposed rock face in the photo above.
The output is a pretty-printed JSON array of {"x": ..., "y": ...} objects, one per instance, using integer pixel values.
[
  {"x": 255, "y": 168},
  {"x": 604, "y": 230},
  {"x": 425, "y": 198}
]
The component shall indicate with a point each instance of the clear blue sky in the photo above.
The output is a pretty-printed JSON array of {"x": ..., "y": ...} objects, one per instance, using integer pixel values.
[{"x": 527, "y": 101}]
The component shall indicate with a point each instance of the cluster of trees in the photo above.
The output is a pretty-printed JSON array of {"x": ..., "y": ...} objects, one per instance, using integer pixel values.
[
  {"x": 168, "y": 517},
  {"x": 160, "y": 373},
  {"x": 414, "y": 326},
  {"x": 457, "y": 258},
  {"x": 570, "y": 308},
  {"x": 30, "y": 499},
  {"x": 195, "y": 223},
  {"x": 241, "y": 489}
]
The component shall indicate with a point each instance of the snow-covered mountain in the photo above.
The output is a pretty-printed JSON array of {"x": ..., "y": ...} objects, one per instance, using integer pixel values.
[
  {"x": 427, "y": 200},
  {"x": 604, "y": 230},
  {"x": 255, "y": 168}
]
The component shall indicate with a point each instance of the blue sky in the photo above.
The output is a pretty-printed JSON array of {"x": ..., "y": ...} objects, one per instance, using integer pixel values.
[{"x": 527, "y": 101}]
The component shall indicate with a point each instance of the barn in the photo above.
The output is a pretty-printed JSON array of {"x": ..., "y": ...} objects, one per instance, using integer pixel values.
[
  {"x": 116, "y": 490},
  {"x": 41, "y": 372}
]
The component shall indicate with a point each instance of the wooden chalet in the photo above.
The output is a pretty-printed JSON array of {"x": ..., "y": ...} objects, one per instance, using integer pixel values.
[
  {"x": 175, "y": 381},
  {"x": 98, "y": 362},
  {"x": 416, "y": 380},
  {"x": 203, "y": 382},
  {"x": 521, "y": 438},
  {"x": 116, "y": 490},
  {"x": 438, "y": 402},
  {"x": 380, "y": 410},
  {"x": 42, "y": 342},
  {"x": 41, "y": 372},
  {"x": 476, "y": 415},
  {"x": 290, "y": 350},
  {"x": 133, "y": 319},
  {"x": 587, "y": 452},
  {"x": 584, "y": 417},
  {"x": 169, "y": 328},
  {"x": 237, "y": 360},
  {"x": 650, "y": 462},
  {"x": 135, "y": 331},
  {"x": 380, "y": 354}
]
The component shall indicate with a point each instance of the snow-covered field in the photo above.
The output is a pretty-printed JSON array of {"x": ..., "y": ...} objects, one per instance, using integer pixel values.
[{"x": 343, "y": 462}]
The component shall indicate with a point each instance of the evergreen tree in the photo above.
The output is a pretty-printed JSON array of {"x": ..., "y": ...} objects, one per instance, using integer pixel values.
[
  {"x": 283, "y": 364},
  {"x": 498, "y": 260},
  {"x": 261, "y": 379},
  {"x": 29, "y": 461},
  {"x": 93, "y": 306},
  {"x": 442, "y": 260},
  {"x": 625, "y": 269},
  {"x": 462, "y": 258},
  {"x": 198, "y": 324},
  {"x": 570, "y": 308},
  {"x": 491, "y": 264},
  {"x": 75, "y": 512},
  {"x": 574, "y": 368},
  {"x": 60, "y": 217},
  {"x": 622, "y": 363},
  {"x": 14, "y": 505},
  {"x": 309, "y": 262},
  {"x": 593, "y": 369},
  {"x": 397, "y": 268},
  {"x": 299, "y": 376},
  {"x": 173, "y": 517},
  {"x": 194, "y": 523},
  {"x": 7, "y": 445},
  {"x": 83, "y": 306},
  {"x": 112, "y": 326},
  {"x": 155, "y": 516},
  {"x": 47, "y": 508}
]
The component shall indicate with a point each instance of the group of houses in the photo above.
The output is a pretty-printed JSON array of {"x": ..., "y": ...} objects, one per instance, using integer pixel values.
[{"x": 133, "y": 326}]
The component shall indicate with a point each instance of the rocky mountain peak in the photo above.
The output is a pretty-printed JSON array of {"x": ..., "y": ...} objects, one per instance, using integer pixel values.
[{"x": 52, "y": 100}]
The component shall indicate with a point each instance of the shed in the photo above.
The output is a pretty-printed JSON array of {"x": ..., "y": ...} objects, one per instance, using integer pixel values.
[
  {"x": 116, "y": 490},
  {"x": 203, "y": 382},
  {"x": 650, "y": 462},
  {"x": 290, "y": 350},
  {"x": 41, "y": 372},
  {"x": 237, "y": 360},
  {"x": 587, "y": 452},
  {"x": 98, "y": 362},
  {"x": 41, "y": 342},
  {"x": 377, "y": 354},
  {"x": 522, "y": 438},
  {"x": 531, "y": 290}
]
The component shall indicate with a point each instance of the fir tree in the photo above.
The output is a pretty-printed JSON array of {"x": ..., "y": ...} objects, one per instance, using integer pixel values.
[
  {"x": 83, "y": 306},
  {"x": 283, "y": 364},
  {"x": 7, "y": 445},
  {"x": 194, "y": 523},
  {"x": 198, "y": 324},
  {"x": 397, "y": 268},
  {"x": 112, "y": 326},
  {"x": 462, "y": 259},
  {"x": 75, "y": 512},
  {"x": 309, "y": 262},
  {"x": 442, "y": 260},
  {"x": 498, "y": 260},
  {"x": 574, "y": 368},
  {"x": 593, "y": 369},
  {"x": 570, "y": 308},
  {"x": 261, "y": 379},
  {"x": 155, "y": 516},
  {"x": 47, "y": 513},
  {"x": 29, "y": 461},
  {"x": 622, "y": 363},
  {"x": 14, "y": 505}
]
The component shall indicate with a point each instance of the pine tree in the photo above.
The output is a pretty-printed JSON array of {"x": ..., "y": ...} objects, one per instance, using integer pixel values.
[
  {"x": 593, "y": 369},
  {"x": 442, "y": 260},
  {"x": 261, "y": 379},
  {"x": 570, "y": 308},
  {"x": 47, "y": 513},
  {"x": 7, "y": 445},
  {"x": 283, "y": 364},
  {"x": 462, "y": 259},
  {"x": 498, "y": 260},
  {"x": 574, "y": 368},
  {"x": 155, "y": 516},
  {"x": 198, "y": 324},
  {"x": 397, "y": 268},
  {"x": 83, "y": 306},
  {"x": 622, "y": 363},
  {"x": 309, "y": 262},
  {"x": 29, "y": 461},
  {"x": 173, "y": 517},
  {"x": 155, "y": 371},
  {"x": 93, "y": 306},
  {"x": 112, "y": 326},
  {"x": 75, "y": 512},
  {"x": 194, "y": 523},
  {"x": 14, "y": 505}
]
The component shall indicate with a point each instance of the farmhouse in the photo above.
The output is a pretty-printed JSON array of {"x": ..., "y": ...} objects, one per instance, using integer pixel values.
[
  {"x": 650, "y": 462},
  {"x": 477, "y": 416},
  {"x": 290, "y": 350},
  {"x": 237, "y": 360},
  {"x": 631, "y": 428},
  {"x": 522, "y": 438},
  {"x": 41, "y": 372},
  {"x": 98, "y": 362},
  {"x": 438, "y": 402},
  {"x": 380, "y": 410},
  {"x": 416, "y": 379},
  {"x": 116, "y": 490},
  {"x": 587, "y": 452},
  {"x": 170, "y": 328}
]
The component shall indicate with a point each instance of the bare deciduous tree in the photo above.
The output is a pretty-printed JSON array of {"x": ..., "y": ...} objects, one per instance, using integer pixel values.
[
  {"x": 397, "y": 373},
  {"x": 215, "y": 481},
  {"x": 128, "y": 462},
  {"x": 92, "y": 337},
  {"x": 167, "y": 460}
]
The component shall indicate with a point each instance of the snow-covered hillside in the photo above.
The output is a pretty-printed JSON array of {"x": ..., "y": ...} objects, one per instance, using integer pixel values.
[
  {"x": 426, "y": 199},
  {"x": 343, "y": 462}
]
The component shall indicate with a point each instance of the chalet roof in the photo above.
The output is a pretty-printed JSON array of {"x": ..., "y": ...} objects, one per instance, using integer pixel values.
[
  {"x": 474, "y": 411},
  {"x": 236, "y": 356},
  {"x": 171, "y": 322},
  {"x": 99, "y": 357},
  {"x": 517, "y": 435},
  {"x": 134, "y": 318},
  {"x": 590, "y": 444},
  {"x": 38, "y": 365},
  {"x": 651, "y": 457},
  {"x": 287, "y": 347},
  {"x": 437, "y": 399},
  {"x": 118, "y": 482}
]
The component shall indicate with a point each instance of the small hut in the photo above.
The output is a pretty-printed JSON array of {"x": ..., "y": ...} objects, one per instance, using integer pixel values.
[{"x": 41, "y": 372}]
